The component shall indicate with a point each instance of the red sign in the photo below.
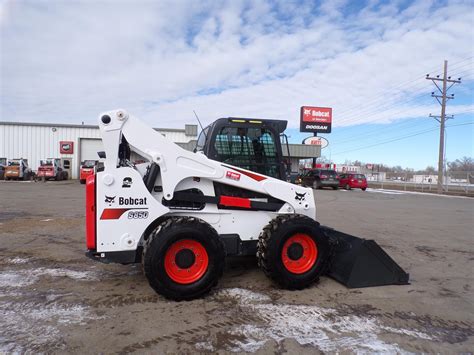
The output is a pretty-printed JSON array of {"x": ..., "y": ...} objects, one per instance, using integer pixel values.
[
  {"x": 315, "y": 119},
  {"x": 321, "y": 141},
  {"x": 233, "y": 176},
  {"x": 66, "y": 147}
]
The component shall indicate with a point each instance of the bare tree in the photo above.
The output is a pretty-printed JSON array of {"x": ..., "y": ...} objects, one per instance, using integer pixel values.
[{"x": 465, "y": 164}]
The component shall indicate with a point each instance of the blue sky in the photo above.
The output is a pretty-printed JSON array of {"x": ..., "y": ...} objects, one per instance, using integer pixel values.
[{"x": 66, "y": 61}]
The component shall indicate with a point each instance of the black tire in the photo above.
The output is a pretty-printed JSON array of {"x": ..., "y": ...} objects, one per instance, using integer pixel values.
[
  {"x": 347, "y": 187},
  {"x": 168, "y": 233},
  {"x": 316, "y": 184},
  {"x": 82, "y": 181},
  {"x": 270, "y": 247},
  {"x": 364, "y": 188},
  {"x": 335, "y": 187}
]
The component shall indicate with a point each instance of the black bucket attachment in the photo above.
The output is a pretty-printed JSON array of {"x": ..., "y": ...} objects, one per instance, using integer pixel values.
[{"x": 357, "y": 262}]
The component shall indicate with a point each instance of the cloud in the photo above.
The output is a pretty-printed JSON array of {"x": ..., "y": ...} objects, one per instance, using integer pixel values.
[{"x": 69, "y": 61}]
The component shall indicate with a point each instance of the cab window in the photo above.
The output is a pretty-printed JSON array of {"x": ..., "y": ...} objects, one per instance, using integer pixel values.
[
  {"x": 202, "y": 139},
  {"x": 251, "y": 148}
]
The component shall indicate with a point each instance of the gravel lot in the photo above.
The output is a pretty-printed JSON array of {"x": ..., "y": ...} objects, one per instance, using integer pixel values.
[{"x": 54, "y": 299}]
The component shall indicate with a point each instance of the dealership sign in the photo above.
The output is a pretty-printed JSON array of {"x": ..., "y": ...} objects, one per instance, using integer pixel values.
[
  {"x": 315, "y": 119},
  {"x": 319, "y": 141},
  {"x": 66, "y": 147}
]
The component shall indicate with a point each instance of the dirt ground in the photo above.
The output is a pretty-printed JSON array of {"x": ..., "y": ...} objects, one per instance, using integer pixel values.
[{"x": 54, "y": 299}]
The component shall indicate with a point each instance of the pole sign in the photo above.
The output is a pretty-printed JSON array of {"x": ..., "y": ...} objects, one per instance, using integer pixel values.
[
  {"x": 315, "y": 119},
  {"x": 319, "y": 141}
]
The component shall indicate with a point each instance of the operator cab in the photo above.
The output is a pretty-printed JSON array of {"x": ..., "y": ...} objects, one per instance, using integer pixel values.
[{"x": 248, "y": 143}]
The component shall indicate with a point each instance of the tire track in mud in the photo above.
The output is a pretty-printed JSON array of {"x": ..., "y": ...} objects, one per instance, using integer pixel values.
[
  {"x": 441, "y": 330},
  {"x": 449, "y": 331},
  {"x": 32, "y": 321},
  {"x": 123, "y": 300},
  {"x": 191, "y": 332},
  {"x": 33, "y": 309}
]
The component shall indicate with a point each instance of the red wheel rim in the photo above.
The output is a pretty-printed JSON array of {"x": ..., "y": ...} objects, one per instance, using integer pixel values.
[
  {"x": 190, "y": 273},
  {"x": 299, "y": 253}
]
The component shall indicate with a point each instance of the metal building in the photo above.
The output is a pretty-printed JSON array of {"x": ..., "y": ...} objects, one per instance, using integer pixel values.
[
  {"x": 71, "y": 143},
  {"x": 75, "y": 143}
]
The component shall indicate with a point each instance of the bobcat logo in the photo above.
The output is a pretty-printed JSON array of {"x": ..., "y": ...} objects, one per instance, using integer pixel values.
[
  {"x": 300, "y": 197},
  {"x": 109, "y": 199}
]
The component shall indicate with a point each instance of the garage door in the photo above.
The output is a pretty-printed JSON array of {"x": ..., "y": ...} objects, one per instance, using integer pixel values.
[{"x": 89, "y": 149}]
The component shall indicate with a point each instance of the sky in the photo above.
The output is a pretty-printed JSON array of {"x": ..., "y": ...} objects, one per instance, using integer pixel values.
[{"x": 68, "y": 61}]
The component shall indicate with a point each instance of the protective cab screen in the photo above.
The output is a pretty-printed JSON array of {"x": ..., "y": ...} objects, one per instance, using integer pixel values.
[{"x": 249, "y": 148}]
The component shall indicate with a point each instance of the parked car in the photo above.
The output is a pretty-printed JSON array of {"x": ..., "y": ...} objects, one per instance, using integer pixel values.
[
  {"x": 2, "y": 172},
  {"x": 353, "y": 181},
  {"x": 88, "y": 167},
  {"x": 319, "y": 178},
  {"x": 51, "y": 168},
  {"x": 18, "y": 169},
  {"x": 293, "y": 177}
]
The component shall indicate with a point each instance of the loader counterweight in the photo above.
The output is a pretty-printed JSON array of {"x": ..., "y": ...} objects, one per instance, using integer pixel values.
[{"x": 90, "y": 213}]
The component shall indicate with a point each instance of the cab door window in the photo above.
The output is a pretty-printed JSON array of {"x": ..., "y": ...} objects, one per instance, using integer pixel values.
[{"x": 251, "y": 148}]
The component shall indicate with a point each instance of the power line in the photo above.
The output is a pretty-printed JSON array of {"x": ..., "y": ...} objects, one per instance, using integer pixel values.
[
  {"x": 379, "y": 100},
  {"x": 384, "y": 94},
  {"x": 381, "y": 131},
  {"x": 400, "y": 138},
  {"x": 385, "y": 129},
  {"x": 377, "y": 110}
]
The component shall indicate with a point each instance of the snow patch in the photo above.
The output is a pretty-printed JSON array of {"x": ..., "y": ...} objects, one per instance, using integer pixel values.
[
  {"x": 398, "y": 192},
  {"x": 15, "y": 279},
  {"x": 411, "y": 333},
  {"x": 30, "y": 326},
  {"x": 387, "y": 192},
  {"x": 22, "y": 278},
  {"x": 72, "y": 274},
  {"x": 205, "y": 346},
  {"x": 243, "y": 295},
  {"x": 323, "y": 328},
  {"x": 18, "y": 260}
]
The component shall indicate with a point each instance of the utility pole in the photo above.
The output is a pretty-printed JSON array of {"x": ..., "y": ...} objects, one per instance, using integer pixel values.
[{"x": 443, "y": 118}]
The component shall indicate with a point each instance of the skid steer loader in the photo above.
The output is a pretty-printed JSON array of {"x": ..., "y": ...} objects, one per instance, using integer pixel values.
[{"x": 181, "y": 213}]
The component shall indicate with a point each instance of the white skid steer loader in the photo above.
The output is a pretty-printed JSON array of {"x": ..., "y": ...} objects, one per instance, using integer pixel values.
[{"x": 181, "y": 213}]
